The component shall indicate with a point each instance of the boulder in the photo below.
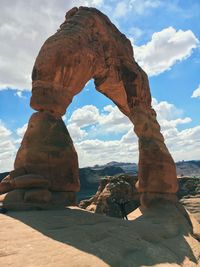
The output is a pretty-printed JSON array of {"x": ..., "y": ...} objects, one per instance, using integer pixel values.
[{"x": 111, "y": 192}]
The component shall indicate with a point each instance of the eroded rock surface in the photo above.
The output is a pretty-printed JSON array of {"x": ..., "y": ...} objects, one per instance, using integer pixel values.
[
  {"x": 189, "y": 194},
  {"x": 87, "y": 46},
  {"x": 162, "y": 237},
  {"x": 111, "y": 192},
  {"x": 122, "y": 188},
  {"x": 47, "y": 149}
]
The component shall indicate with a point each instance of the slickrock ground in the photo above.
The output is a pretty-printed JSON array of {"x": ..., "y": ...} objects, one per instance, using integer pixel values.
[
  {"x": 192, "y": 203},
  {"x": 76, "y": 238}
]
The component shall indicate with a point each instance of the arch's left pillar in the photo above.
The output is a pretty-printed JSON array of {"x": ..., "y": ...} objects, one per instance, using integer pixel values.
[
  {"x": 46, "y": 173},
  {"x": 47, "y": 150}
]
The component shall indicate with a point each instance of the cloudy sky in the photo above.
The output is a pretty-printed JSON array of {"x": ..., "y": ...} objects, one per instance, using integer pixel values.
[{"x": 166, "y": 40}]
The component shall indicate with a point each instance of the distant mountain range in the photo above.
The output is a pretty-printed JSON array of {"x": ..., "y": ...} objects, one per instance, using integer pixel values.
[
  {"x": 184, "y": 168},
  {"x": 90, "y": 176},
  {"x": 188, "y": 168}
]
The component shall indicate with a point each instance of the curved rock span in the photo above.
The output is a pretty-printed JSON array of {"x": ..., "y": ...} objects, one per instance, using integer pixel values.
[{"x": 86, "y": 46}]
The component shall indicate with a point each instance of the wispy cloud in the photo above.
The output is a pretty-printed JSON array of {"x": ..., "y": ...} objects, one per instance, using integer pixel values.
[
  {"x": 134, "y": 7},
  {"x": 196, "y": 93},
  {"x": 25, "y": 25}
]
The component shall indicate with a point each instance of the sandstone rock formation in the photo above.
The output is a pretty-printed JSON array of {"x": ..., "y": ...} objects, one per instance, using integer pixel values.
[
  {"x": 122, "y": 187},
  {"x": 73, "y": 237},
  {"x": 112, "y": 191},
  {"x": 48, "y": 150},
  {"x": 189, "y": 194},
  {"x": 87, "y": 46}
]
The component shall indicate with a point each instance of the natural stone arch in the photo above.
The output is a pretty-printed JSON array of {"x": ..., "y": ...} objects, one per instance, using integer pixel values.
[{"x": 86, "y": 46}]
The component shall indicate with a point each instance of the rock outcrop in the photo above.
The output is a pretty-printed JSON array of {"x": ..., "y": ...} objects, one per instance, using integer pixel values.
[
  {"x": 111, "y": 192},
  {"x": 121, "y": 188},
  {"x": 189, "y": 194},
  {"x": 73, "y": 237},
  {"x": 87, "y": 46}
]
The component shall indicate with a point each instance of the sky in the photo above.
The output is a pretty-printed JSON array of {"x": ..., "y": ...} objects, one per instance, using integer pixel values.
[{"x": 165, "y": 36}]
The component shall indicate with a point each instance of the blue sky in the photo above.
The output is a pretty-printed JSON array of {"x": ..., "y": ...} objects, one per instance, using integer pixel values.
[{"x": 165, "y": 36}]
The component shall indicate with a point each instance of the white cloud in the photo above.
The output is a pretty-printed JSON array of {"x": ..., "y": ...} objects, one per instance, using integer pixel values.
[
  {"x": 91, "y": 149},
  {"x": 165, "y": 49},
  {"x": 135, "y": 33},
  {"x": 167, "y": 124},
  {"x": 166, "y": 110},
  {"x": 134, "y": 7},
  {"x": 168, "y": 115},
  {"x": 93, "y": 3},
  {"x": 185, "y": 144},
  {"x": 109, "y": 120},
  {"x": 84, "y": 116},
  {"x": 76, "y": 132},
  {"x": 99, "y": 152},
  {"x": 121, "y": 10},
  {"x": 20, "y": 94},
  {"x": 140, "y": 7},
  {"x": 21, "y": 131},
  {"x": 92, "y": 146},
  {"x": 24, "y": 26},
  {"x": 196, "y": 93},
  {"x": 113, "y": 120},
  {"x": 7, "y": 149}
]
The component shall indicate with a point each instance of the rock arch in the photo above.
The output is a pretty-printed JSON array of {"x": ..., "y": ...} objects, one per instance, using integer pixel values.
[{"x": 86, "y": 46}]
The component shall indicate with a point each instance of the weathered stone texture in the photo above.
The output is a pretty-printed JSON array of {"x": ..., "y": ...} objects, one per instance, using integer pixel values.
[
  {"x": 47, "y": 149},
  {"x": 87, "y": 46}
]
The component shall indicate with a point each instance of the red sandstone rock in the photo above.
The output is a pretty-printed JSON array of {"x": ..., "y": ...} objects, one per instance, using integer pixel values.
[
  {"x": 87, "y": 46},
  {"x": 113, "y": 190},
  {"x": 30, "y": 181},
  {"x": 17, "y": 172},
  {"x": 5, "y": 187},
  {"x": 25, "y": 199},
  {"x": 48, "y": 150},
  {"x": 38, "y": 195}
]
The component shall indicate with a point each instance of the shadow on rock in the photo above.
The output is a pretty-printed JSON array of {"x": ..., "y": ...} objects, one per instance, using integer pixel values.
[{"x": 158, "y": 235}]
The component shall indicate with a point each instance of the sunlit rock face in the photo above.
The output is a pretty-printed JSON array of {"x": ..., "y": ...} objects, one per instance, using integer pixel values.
[{"x": 87, "y": 46}]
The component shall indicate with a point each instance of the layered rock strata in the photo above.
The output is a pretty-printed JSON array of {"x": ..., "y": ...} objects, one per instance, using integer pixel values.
[{"x": 87, "y": 46}]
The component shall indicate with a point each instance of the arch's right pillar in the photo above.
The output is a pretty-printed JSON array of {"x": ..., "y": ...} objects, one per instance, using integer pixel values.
[{"x": 157, "y": 170}]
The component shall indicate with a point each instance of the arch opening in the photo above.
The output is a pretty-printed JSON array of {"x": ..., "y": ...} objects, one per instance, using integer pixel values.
[{"x": 100, "y": 131}]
